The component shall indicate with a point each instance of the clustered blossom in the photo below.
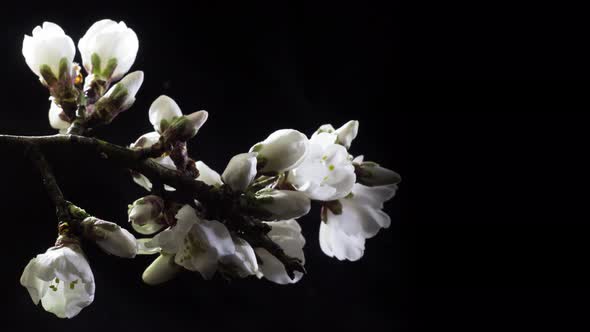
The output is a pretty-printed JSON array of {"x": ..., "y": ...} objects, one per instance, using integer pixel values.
[{"x": 270, "y": 186}]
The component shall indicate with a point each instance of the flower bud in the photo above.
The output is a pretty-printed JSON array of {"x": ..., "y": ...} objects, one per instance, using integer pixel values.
[
  {"x": 119, "y": 98},
  {"x": 283, "y": 150},
  {"x": 145, "y": 214},
  {"x": 371, "y": 174},
  {"x": 58, "y": 118},
  {"x": 284, "y": 204},
  {"x": 108, "y": 49},
  {"x": 161, "y": 270},
  {"x": 48, "y": 52},
  {"x": 240, "y": 171},
  {"x": 110, "y": 237},
  {"x": 185, "y": 127}
]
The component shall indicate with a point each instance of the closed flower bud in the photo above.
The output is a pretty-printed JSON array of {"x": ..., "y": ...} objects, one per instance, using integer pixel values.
[
  {"x": 110, "y": 237},
  {"x": 145, "y": 214},
  {"x": 161, "y": 270},
  {"x": 240, "y": 171},
  {"x": 119, "y": 98},
  {"x": 371, "y": 174},
  {"x": 108, "y": 49},
  {"x": 283, "y": 150},
  {"x": 167, "y": 119},
  {"x": 284, "y": 204},
  {"x": 49, "y": 52},
  {"x": 57, "y": 118},
  {"x": 185, "y": 127}
]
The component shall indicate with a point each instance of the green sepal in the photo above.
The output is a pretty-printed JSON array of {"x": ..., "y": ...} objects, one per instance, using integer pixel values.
[
  {"x": 47, "y": 75},
  {"x": 64, "y": 68},
  {"x": 110, "y": 68},
  {"x": 95, "y": 61}
]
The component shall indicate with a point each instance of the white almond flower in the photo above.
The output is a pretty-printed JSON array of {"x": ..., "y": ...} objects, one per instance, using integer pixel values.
[
  {"x": 238, "y": 174},
  {"x": 283, "y": 150},
  {"x": 344, "y": 135},
  {"x": 145, "y": 214},
  {"x": 110, "y": 237},
  {"x": 284, "y": 204},
  {"x": 168, "y": 120},
  {"x": 61, "y": 279},
  {"x": 287, "y": 234},
  {"x": 108, "y": 49},
  {"x": 198, "y": 244},
  {"x": 146, "y": 141},
  {"x": 240, "y": 171},
  {"x": 57, "y": 118},
  {"x": 343, "y": 235},
  {"x": 327, "y": 172},
  {"x": 372, "y": 174},
  {"x": 48, "y": 46}
]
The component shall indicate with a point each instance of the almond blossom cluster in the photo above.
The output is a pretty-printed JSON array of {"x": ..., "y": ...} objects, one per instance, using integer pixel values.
[{"x": 270, "y": 186}]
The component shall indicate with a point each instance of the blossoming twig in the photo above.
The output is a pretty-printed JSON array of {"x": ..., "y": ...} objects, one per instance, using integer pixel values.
[{"x": 239, "y": 223}]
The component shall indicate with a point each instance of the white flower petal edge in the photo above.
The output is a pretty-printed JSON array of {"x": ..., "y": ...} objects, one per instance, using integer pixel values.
[
  {"x": 287, "y": 234},
  {"x": 47, "y": 46},
  {"x": 207, "y": 175},
  {"x": 327, "y": 172},
  {"x": 343, "y": 236},
  {"x": 240, "y": 171},
  {"x": 61, "y": 279},
  {"x": 109, "y": 40},
  {"x": 282, "y": 150}
]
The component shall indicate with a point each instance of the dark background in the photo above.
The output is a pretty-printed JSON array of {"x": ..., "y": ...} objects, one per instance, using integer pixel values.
[{"x": 255, "y": 68}]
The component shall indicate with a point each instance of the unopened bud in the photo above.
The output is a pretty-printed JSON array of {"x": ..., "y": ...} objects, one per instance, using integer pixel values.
[
  {"x": 145, "y": 214},
  {"x": 110, "y": 237},
  {"x": 185, "y": 127},
  {"x": 284, "y": 204},
  {"x": 161, "y": 270}
]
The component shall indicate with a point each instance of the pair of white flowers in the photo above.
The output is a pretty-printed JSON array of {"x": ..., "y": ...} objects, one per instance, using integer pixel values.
[
  {"x": 61, "y": 278},
  {"x": 108, "y": 51}
]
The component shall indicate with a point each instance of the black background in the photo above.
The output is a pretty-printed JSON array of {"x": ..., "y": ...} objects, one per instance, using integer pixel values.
[{"x": 255, "y": 68}]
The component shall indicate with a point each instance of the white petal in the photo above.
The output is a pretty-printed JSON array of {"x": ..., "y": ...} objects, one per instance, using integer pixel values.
[
  {"x": 285, "y": 204},
  {"x": 108, "y": 40},
  {"x": 161, "y": 270},
  {"x": 47, "y": 46},
  {"x": 282, "y": 150},
  {"x": 335, "y": 243},
  {"x": 347, "y": 133},
  {"x": 208, "y": 175},
  {"x": 163, "y": 108},
  {"x": 146, "y": 140},
  {"x": 287, "y": 234},
  {"x": 240, "y": 171},
  {"x": 56, "y": 117}
]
